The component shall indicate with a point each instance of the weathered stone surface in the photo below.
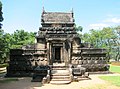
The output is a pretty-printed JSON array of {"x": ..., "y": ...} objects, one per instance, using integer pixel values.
[{"x": 57, "y": 43}]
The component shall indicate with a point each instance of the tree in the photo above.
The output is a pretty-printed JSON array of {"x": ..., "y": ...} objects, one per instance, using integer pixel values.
[
  {"x": 107, "y": 38},
  {"x": 15, "y": 40},
  {"x": 20, "y": 38},
  {"x": 2, "y": 46},
  {"x": 1, "y": 17},
  {"x": 79, "y": 28},
  {"x": 93, "y": 37},
  {"x": 117, "y": 43}
]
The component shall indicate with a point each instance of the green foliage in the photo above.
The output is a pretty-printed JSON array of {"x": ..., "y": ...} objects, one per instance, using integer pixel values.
[
  {"x": 1, "y": 17},
  {"x": 115, "y": 80},
  {"x": 15, "y": 40},
  {"x": 79, "y": 28},
  {"x": 20, "y": 38},
  {"x": 115, "y": 68},
  {"x": 108, "y": 38},
  {"x": 3, "y": 65},
  {"x": 2, "y": 46}
]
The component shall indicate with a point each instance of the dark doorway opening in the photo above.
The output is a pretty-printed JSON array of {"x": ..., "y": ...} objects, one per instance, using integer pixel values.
[{"x": 58, "y": 54}]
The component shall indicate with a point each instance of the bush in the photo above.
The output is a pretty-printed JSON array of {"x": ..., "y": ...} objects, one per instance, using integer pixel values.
[{"x": 3, "y": 65}]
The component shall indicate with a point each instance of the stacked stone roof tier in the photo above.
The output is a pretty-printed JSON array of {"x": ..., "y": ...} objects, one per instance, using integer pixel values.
[{"x": 57, "y": 17}]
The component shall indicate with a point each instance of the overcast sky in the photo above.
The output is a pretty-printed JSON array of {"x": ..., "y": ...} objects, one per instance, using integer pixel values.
[{"x": 26, "y": 14}]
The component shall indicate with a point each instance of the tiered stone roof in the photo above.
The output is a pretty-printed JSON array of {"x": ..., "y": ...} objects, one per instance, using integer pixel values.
[{"x": 57, "y": 17}]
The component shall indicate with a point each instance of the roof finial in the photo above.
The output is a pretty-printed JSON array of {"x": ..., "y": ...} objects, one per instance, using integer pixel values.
[
  {"x": 72, "y": 12},
  {"x": 43, "y": 9}
]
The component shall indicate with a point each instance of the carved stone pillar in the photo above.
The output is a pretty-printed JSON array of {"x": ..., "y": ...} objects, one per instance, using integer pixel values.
[
  {"x": 48, "y": 52},
  {"x": 69, "y": 59},
  {"x": 64, "y": 59},
  {"x": 62, "y": 54}
]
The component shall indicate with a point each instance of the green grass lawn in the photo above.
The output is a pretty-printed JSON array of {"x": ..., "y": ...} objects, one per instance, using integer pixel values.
[
  {"x": 114, "y": 68},
  {"x": 115, "y": 80}
]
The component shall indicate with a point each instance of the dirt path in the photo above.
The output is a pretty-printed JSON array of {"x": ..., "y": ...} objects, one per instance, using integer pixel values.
[
  {"x": 94, "y": 82},
  {"x": 23, "y": 83}
]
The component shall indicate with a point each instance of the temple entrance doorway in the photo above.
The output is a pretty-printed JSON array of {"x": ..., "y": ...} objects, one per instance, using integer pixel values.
[{"x": 57, "y": 54}]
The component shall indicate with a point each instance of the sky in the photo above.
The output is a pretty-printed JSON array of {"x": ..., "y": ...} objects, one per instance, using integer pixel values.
[{"x": 90, "y": 14}]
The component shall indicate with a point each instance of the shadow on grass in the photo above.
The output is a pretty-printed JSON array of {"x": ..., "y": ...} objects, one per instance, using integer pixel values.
[{"x": 7, "y": 80}]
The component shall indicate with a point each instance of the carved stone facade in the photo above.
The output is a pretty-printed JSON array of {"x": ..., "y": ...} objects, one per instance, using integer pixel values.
[{"x": 57, "y": 43}]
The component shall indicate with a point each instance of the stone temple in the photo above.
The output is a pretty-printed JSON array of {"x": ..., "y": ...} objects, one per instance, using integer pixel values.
[{"x": 58, "y": 51}]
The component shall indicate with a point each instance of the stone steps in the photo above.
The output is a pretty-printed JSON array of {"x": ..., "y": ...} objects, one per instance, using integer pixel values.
[
  {"x": 60, "y": 79},
  {"x": 60, "y": 82},
  {"x": 60, "y": 72},
  {"x": 60, "y": 75},
  {"x": 59, "y": 68}
]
